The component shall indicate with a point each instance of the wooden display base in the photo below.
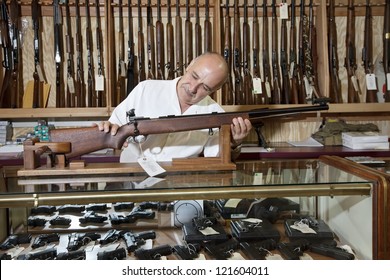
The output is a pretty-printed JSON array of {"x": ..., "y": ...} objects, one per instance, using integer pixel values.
[{"x": 56, "y": 162}]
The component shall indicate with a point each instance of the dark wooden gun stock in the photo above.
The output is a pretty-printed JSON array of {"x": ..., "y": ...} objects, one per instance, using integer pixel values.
[{"x": 90, "y": 139}]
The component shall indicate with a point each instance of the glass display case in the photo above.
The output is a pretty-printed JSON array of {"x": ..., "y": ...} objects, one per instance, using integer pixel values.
[{"x": 350, "y": 203}]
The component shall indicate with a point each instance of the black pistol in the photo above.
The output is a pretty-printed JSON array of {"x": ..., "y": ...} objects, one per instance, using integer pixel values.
[
  {"x": 73, "y": 255},
  {"x": 153, "y": 254},
  {"x": 44, "y": 239},
  {"x": 14, "y": 240},
  {"x": 117, "y": 254},
  {"x": 134, "y": 240},
  {"x": 76, "y": 240}
]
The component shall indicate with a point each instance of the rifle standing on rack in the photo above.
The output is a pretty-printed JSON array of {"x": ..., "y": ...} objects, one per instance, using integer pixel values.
[
  {"x": 266, "y": 64},
  {"x": 208, "y": 32},
  {"x": 293, "y": 58},
  {"x": 239, "y": 98},
  {"x": 386, "y": 49},
  {"x": 15, "y": 17},
  {"x": 91, "y": 78},
  {"x": 335, "y": 84},
  {"x": 70, "y": 89},
  {"x": 7, "y": 55},
  {"x": 150, "y": 42},
  {"x": 276, "y": 97},
  {"x": 120, "y": 82},
  {"x": 350, "y": 59},
  {"x": 37, "y": 101},
  {"x": 179, "y": 41},
  {"x": 227, "y": 90},
  {"x": 99, "y": 86},
  {"x": 170, "y": 49},
  {"x": 259, "y": 96},
  {"x": 198, "y": 31},
  {"x": 141, "y": 50},
  {"x": 131, "y": 70},
  {"x": 371, "y": 88},
  {"x": 301, "y": 55},
  {"x": 188, "y": 36},
  {"x": 160, "y": 50},
  {"x": 313, "y": 53},
  {"x": 79, "y": 86},
  {"x": 60, "y": 100},
  {"x": 248, "y": 99},
  {"x": 285, "y": 90}
]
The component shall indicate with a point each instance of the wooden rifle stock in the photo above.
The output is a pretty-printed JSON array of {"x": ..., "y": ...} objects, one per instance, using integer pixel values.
[
  {"x": 265, "y": 59},
  {"x": 248, "y": 90},
  {"x": 350, "y": 59},
  {"x": 371, "y": 95},
  {"x": 335, "y": 84},
  {"x": 276, "y": 97},
  {"x": 170, "y": 44},
  {"x": 188, "y": 47},
  {"x": 100, "y": 99},
  {"x": 198, "y": 31},
  {"x": 141, "y": 48},
  {"x": 386, "y": 48},
  {"x": 285, "y": 90},
  {"x": 70, "y": 92},
  {"x": 208, "y": 40},
  {"x": 91, "y": 79},
  {"x": 160, "y": 44},
  {"x": 90, "y": 139},
  {"x": 227, "y": 89},
  {"x": 239, "y": 94},
  {"x": 150, "y": 42},
  {"x": 120, "y": 82},
  {"x": 178, "y": 41}
]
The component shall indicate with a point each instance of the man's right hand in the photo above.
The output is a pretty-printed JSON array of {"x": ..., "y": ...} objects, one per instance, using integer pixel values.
[{"x": 107, "y": 127}]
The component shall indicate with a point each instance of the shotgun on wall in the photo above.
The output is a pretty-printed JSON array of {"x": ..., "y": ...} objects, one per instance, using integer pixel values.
[{"x": 89, "y": 139}]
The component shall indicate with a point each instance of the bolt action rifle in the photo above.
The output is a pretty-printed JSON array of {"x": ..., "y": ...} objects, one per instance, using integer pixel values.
[
  {"x": 79, "y": 85},
  {"x": 276, "y": 96},
  {"x": 293, "y": 58},
  {"x": 70, "y": 90},
  {"x": 5, "y": 99},
  {"x": 227, "y": 89},
  {"x": 188, "y": 47},
  {"x": 371, "y": 94},
  {"x": 91, "y": 101},
  {"x": 198, "y": 31},
  {"x": 60, "y": 100},
  {"x": 170, "y": 42},
  {"x": 121, "y": 75},
  {"x": 246, "y": 58},
  {"x": 350, "y": 58},
  {"x": 150, "y": 42},
  {"x": 160, "y": 50},
  {"x": 285, "y": 90},
  {"x": 81, "y": 139},
  {"x": 208, "y": 33},
  {"x": 258, "y": 97},
  {"x": 131, "y": 58},
  {"x": 100, "y": 99},
  {"x": 239, "y": 94},
  {"x": 265, "y": 59},
  {"x": 141, "y": 48},
  {"x": 178, "y": 41}
]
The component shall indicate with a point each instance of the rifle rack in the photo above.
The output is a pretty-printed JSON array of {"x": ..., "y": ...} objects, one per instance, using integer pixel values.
[{"x": 56, "y": 164}]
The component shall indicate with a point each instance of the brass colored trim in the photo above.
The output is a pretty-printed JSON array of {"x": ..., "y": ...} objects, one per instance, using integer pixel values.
[{"x": 33, "y": 200}]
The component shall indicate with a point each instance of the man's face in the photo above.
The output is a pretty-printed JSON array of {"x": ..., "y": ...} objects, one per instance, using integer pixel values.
[{"x": 202, "y": 78}]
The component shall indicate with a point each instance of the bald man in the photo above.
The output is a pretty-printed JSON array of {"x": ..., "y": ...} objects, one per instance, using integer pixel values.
[{"x": 186, "y": 95}]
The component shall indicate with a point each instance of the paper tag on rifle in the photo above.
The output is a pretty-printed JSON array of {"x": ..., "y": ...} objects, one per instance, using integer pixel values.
[
  {"x": 283, "y": 10},
  {"x": 151, "y": 166},
  {"x": 371, "y": 82},
  {"x": 308, "y": 88},
  {"x": 70, "y": 83},
  {"x": 40, "y": 73},
  {"x": 123, "y": 69},
  {"x": 258, "y": 178},
  {"x": 99, "y": 82},
  {"x": 291, "y": 72},
  {"x": 257, "y": 86},
  {"x": 355, "y": 83},
  {"x": 388, "y": 81},
  {"x": 268, "y": 89}
]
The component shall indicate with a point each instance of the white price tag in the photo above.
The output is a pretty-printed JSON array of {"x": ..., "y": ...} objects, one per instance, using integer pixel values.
[
  {"x": 151, "y": 166},
  {"x": 40, "y": 73},
  {"x": 258, "y": 178},
  {"x": 355, "y": 83},
  {"x": 283, "y": 10},
  {"x": 291, "y": 72},
  {"x": 123, "y": 69},
  {"x": 232, "y": 203},
  {"x": 99, "y": 83},
  {"x": 257, "y": 86},
  {"x": 388, "y": 81},
  {"x": 208, "y": 231},
  {"x": 268, "y": 89},
  {"x": 70, "y": 83},
  {"x": 371, "y": 82}
]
